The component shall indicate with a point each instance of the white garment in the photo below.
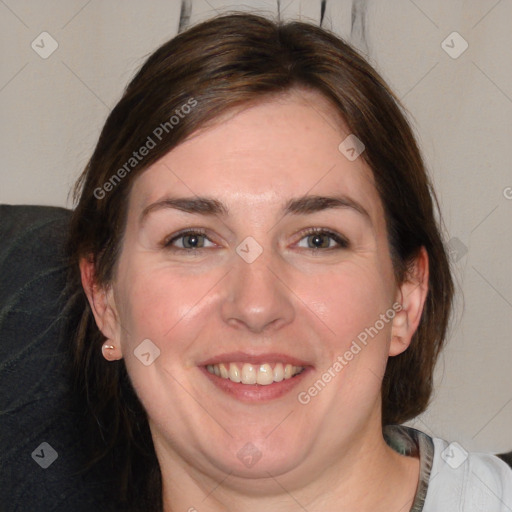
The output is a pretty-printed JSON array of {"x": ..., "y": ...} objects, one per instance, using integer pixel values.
[
  {"x": 467, "y": 482},
  {"x": 451, "y": 479}
]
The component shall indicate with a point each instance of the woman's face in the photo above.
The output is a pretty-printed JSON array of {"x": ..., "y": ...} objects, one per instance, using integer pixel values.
[{"x": 255, "y": 295}]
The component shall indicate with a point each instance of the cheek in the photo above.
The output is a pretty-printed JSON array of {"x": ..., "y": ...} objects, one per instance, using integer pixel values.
[
  {"x": 163, "y": 305},
  {"x": 349, "y": 300}
]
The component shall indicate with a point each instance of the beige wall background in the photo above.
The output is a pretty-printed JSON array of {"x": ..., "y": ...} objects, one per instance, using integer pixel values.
[{"x": 53, "y": 106}]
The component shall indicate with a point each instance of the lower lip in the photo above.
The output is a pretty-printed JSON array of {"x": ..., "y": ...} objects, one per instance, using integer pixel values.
[{"x": 252, "y": 393}]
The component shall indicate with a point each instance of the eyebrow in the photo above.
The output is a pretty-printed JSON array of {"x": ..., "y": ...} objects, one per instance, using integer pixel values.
[{"x": 304, "y": 205}]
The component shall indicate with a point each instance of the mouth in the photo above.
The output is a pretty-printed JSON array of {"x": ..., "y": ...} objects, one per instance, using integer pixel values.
[
  {"x": 249, "y": 374},
  {"x": 255, "y": 378}
]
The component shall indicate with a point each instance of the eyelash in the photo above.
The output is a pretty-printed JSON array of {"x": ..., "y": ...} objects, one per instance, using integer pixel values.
[{"x": 341, "y": 241}]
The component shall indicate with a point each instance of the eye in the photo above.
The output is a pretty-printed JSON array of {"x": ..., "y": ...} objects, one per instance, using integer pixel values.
[
  {"x": 315, "y": 239},
  {"x": 318, "y": 238},
  {"x": 188, "y": 240}
]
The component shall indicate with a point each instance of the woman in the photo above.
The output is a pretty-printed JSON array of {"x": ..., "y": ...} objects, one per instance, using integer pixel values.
[{"x": 267, "y": 289}]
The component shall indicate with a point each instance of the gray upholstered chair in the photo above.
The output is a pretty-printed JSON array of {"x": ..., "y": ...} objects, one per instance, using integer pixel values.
[{"x": 37, "y": 401}]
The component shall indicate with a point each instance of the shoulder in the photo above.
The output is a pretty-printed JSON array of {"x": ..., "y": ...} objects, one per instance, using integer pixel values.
[{"x": 467, "y": 482}]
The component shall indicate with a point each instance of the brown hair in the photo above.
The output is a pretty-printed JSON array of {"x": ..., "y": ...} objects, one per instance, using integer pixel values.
[{"x": 225, "y": 63}]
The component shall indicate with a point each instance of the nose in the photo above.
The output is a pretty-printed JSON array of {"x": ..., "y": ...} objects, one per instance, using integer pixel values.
[{"x": 257, "y": 296}]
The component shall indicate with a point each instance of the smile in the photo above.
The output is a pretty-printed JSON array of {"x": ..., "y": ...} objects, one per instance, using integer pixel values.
[
  {"x": 255, "y": 378},
  {"x": 250, "y": 374}
]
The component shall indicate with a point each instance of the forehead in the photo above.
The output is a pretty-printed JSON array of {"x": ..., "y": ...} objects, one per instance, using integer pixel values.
[{"x": 274, "y": 150}]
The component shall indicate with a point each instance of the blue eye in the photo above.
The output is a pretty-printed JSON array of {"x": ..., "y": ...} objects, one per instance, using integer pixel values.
[
  {"x": 316, "y": 239},
  {"x": 321, "y": 239},
  {"x": 190, "y": 240}
]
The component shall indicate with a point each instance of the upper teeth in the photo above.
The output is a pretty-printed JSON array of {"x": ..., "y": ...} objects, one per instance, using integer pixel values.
[{"x": 262, "y": 374}]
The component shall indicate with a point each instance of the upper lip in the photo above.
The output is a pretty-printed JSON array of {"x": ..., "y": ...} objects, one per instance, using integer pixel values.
[{"x": 244, "y": 357}]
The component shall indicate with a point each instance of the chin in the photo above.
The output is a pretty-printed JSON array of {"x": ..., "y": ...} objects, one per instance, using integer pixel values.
[{"x": 259, "y": 459}]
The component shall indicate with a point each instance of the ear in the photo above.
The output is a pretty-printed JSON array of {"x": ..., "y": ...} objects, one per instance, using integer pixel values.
[
  {"x": 411, "y": 297},
  {"x": 101, "y": 300}
]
